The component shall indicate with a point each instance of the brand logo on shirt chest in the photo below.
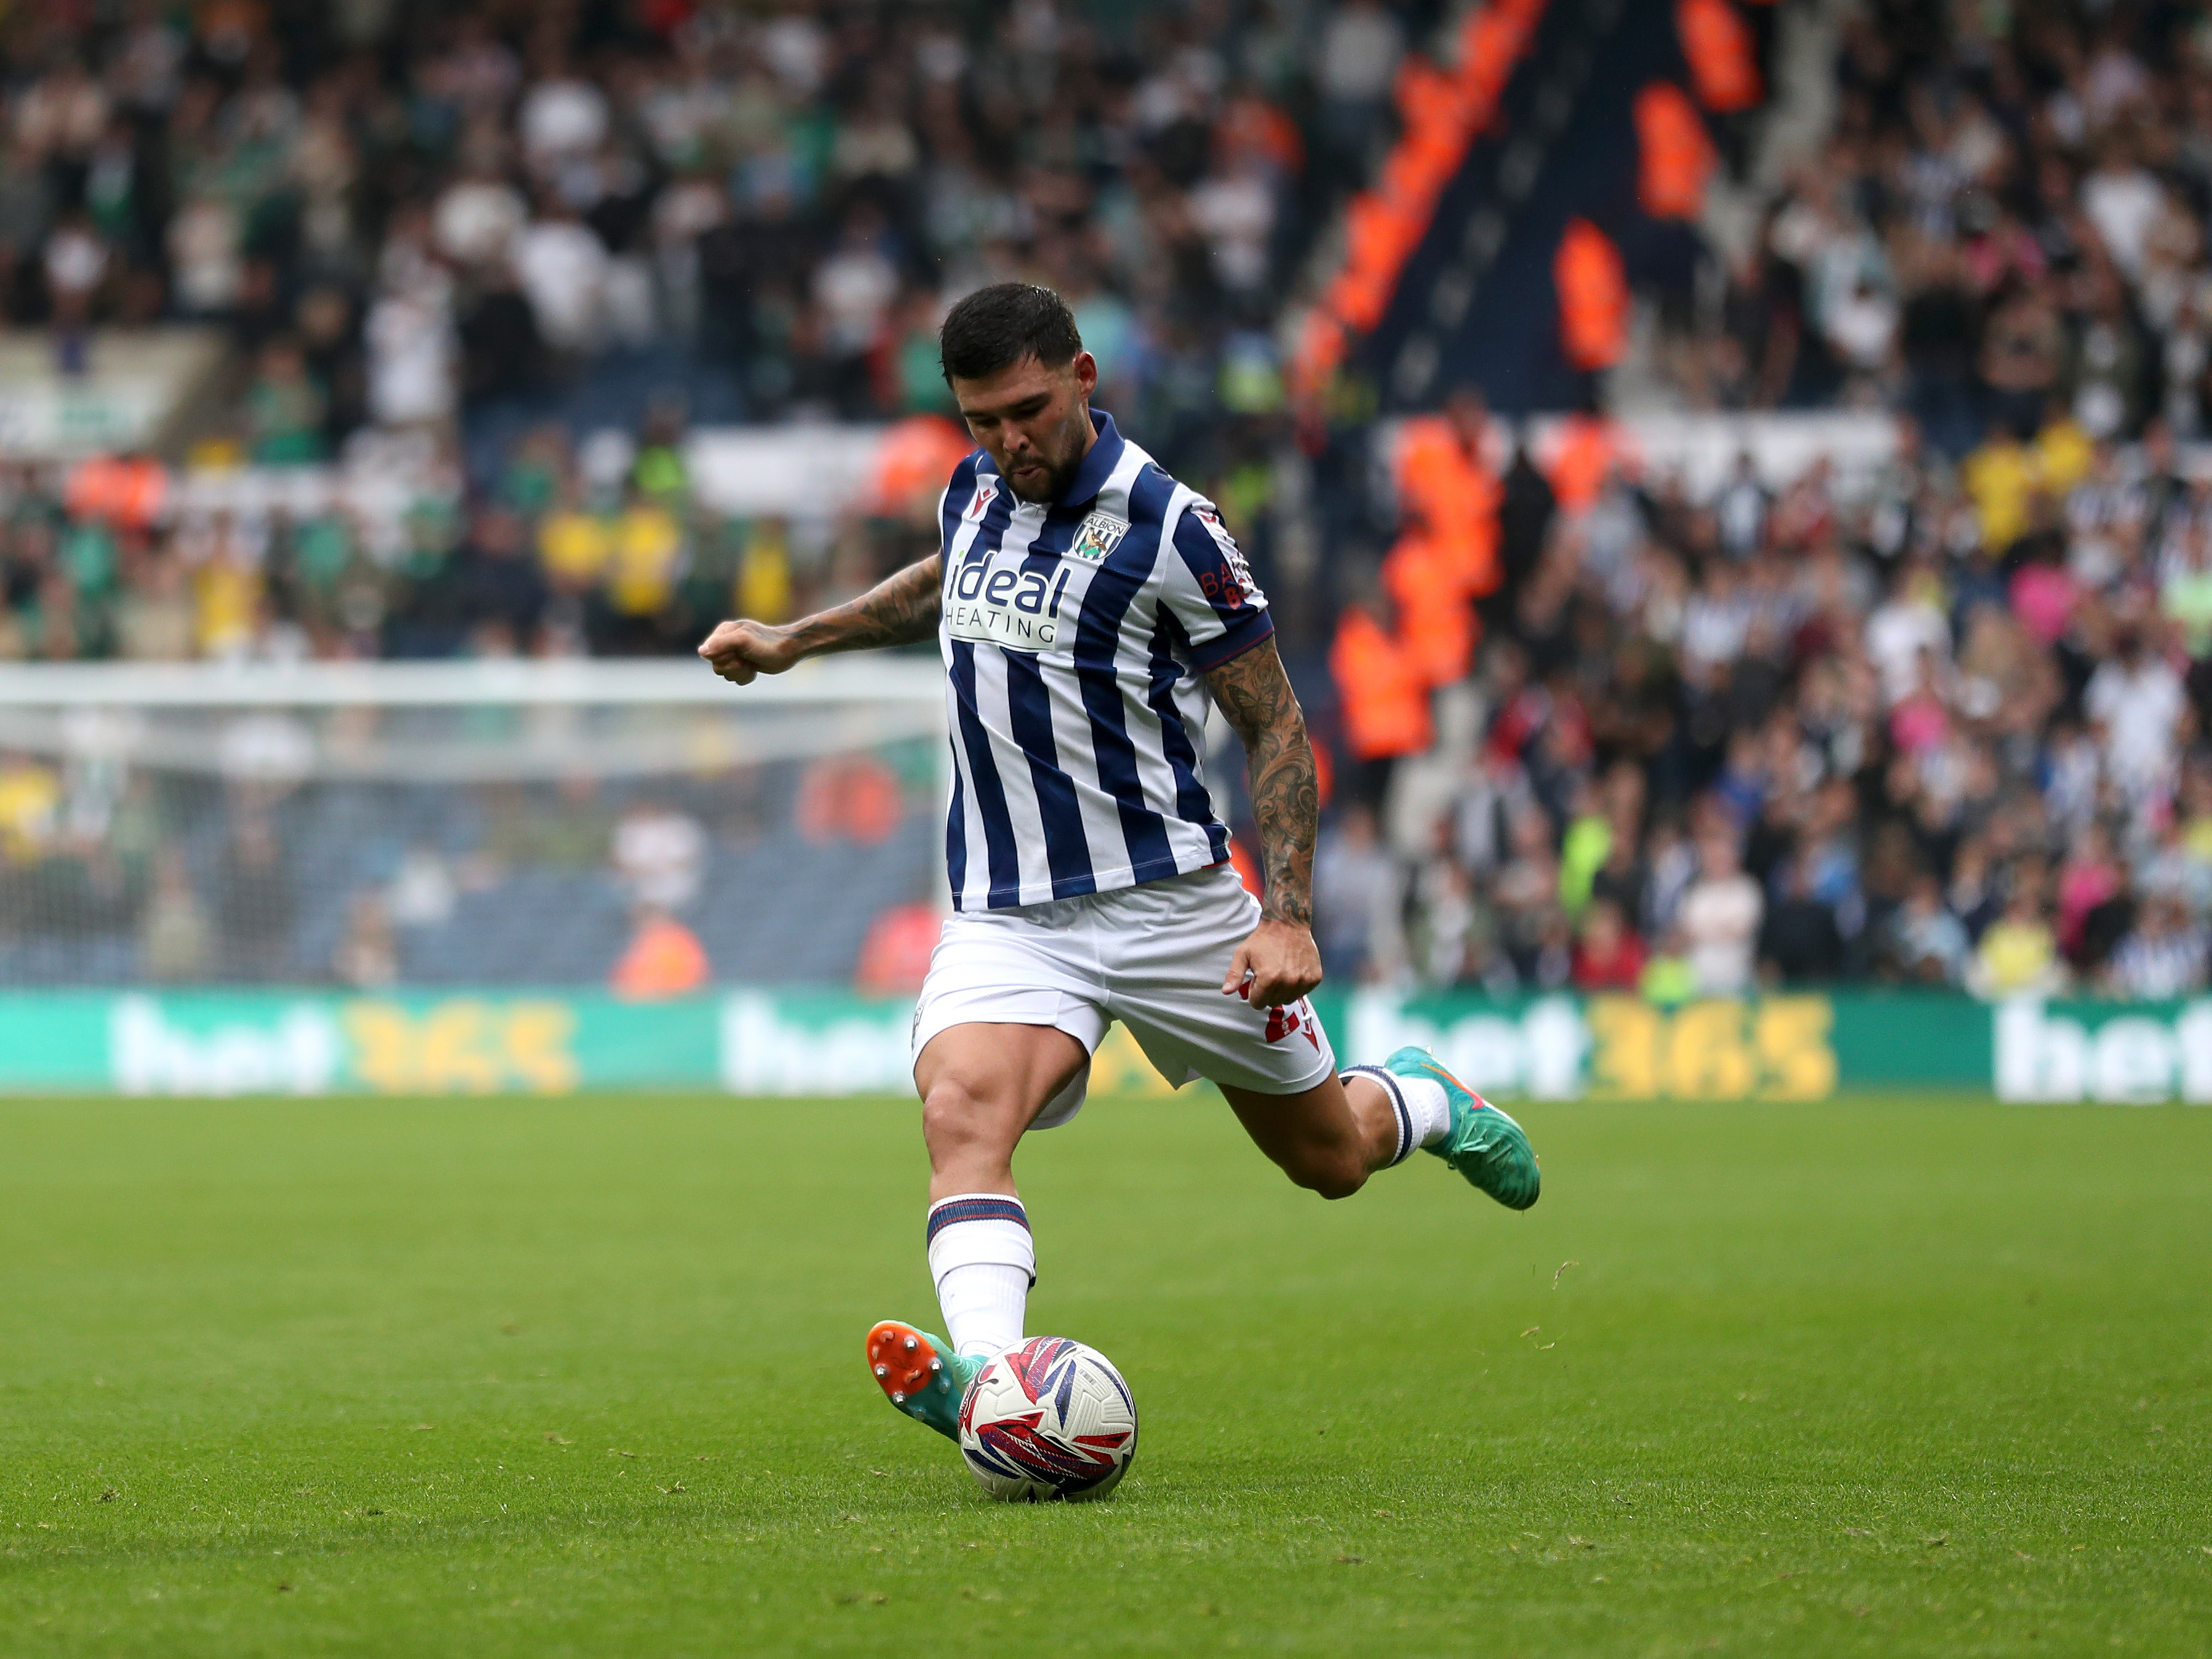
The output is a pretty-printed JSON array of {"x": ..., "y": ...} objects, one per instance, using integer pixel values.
[{"x": 1006, "y": 606}]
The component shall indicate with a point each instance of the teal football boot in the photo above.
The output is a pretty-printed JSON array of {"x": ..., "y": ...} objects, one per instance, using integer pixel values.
[
  {"x": 1483, "y": 1144},
  {"x": 921, "y": 1375}
]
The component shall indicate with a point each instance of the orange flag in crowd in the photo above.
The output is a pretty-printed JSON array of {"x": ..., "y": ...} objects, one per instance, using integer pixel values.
[
  {"x": 1724, "y": 65},
  {"x": 1674, "y": 157},
  {"x": 1592, "y": 296},
  {"x": 1385, "y": 700}
]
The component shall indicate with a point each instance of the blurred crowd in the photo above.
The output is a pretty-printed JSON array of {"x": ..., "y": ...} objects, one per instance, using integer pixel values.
[
  {"x": 401, "y": 212},
  {"x": 1946, "y": 726},
  {"x": 594, "y": 548},
  {"x": 2007, "y": 220},
  {"x": 1937, "y": 722},
  {"x": 1945, "y": 732}
]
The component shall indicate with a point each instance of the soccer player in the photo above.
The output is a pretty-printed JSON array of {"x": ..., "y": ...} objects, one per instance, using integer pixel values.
[{"x": 1087, "y": 605}]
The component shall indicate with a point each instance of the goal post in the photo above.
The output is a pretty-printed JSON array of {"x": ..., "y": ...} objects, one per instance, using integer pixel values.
[
  {"x": 387, "y": 825},
  {"x": 473, "y": 877}
]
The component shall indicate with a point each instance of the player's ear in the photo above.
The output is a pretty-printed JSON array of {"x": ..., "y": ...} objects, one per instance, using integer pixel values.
[{"x": 1086, "y": 373}]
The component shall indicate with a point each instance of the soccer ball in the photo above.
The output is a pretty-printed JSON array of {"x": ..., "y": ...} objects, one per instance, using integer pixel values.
[{"x": 1050, "y": 1418}]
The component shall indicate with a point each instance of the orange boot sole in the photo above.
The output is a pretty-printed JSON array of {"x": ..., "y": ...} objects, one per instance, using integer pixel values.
[{"x": 914, "y": 1375}]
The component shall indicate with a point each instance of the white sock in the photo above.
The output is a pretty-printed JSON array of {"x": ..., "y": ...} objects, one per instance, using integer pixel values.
[
  {"x": 1424, "y": 1110},
  {"x": 982, "y": 1262}
]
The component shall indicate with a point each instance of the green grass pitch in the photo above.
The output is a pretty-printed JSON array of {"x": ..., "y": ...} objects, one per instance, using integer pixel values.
[{"x": 1902, "y": 1377}]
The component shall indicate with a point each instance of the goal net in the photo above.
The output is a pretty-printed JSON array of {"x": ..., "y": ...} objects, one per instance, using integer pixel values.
[{"x": 641, "y": 827}]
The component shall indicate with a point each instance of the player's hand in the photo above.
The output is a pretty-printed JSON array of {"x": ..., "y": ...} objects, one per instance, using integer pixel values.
[
  {"x": 1279, "y": 963},
  {"x": 740, "y": 649}
]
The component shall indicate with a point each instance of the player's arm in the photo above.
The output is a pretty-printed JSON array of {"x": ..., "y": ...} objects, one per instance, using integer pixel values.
[
  {"x": 1255, "y": 695},
  {"x": 897, "y": 611}
]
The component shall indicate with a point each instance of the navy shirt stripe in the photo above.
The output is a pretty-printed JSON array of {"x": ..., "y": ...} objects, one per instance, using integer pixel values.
[
  {"x": 1098, "y": 653},
  {"x": 1192, "y": 800},
  {"x": 1066, "y": 850},
  {"x": 956, "y": 835}
]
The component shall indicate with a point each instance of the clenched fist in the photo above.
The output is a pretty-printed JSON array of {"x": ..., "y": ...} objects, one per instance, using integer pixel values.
[
  {"x": 740, "y": 649},
  {"x": 1279, "y": 963}
]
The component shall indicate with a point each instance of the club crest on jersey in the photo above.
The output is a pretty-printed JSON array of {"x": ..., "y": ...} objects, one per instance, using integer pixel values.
[{"x": 1098, "y": 536}]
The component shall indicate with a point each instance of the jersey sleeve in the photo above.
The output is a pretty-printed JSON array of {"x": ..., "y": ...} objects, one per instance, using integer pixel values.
[{"x": 1209, "y": 589}]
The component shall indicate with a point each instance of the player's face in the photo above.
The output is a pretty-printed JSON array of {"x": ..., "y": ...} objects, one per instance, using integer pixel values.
[{"x": 1034, "y": 421}]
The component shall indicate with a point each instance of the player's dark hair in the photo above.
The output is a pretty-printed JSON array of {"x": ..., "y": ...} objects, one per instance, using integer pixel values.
[{"x": 996, "y": 327}]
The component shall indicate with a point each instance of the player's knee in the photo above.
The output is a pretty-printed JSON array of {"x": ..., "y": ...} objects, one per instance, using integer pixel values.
[
  {"x": 955, "y": 1114},
  {"x": 1331, "y": 1172},
  {"x": 948, "y": 1111}
]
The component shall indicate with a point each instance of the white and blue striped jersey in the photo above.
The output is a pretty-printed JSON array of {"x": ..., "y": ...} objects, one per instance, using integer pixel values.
[{"x": 1073, "y": 634}]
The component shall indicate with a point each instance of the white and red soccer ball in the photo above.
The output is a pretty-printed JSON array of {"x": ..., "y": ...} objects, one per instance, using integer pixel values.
[{"x": 1049, "y": 1419}]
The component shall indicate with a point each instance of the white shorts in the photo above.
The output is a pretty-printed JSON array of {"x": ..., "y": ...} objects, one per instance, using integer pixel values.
[{"x": 1152, "y": 956}]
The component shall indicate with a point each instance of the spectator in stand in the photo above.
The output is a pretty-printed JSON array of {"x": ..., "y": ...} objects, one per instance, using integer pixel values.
[
  {"x": 254, "y": 910},
  {"x": 1525, "y": 893},
  {"x": 1608, "y": 955},
  {"x": 285, "y": 408},
  {"x": 1799, "y": 941},
  {"x": 1353, "y": 881},
  {"x": 660, "y": 855},
  {"x": 2137, "y": 699},
  {"x": 2089, "y": 878},
  {"x": 2019, "y": 954},
  {"x": 1355, "y": 63},
  {"x": 663, "y": 958},
  {"x": 368, "y": 956},
  {"x": 564, "y": 271},
  {"x": 1720, "y": 918},
  {"x": 2162, "y": 956},
  {"x": 1927, "y": 944},
  {"x": 176, "y": 939}
]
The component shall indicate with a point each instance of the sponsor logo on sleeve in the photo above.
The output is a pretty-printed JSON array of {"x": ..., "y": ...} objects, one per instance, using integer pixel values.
[{"x": 1232, "y": 584}]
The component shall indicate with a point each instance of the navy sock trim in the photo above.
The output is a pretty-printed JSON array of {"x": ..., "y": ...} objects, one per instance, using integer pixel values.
[
  {"x": 956, "y": 1210},
  {"x": 1398, "y": 1103}
]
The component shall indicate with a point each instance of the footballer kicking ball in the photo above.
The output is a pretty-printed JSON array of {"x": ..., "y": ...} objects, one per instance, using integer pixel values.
[{"x": 1049, "y": 1419}]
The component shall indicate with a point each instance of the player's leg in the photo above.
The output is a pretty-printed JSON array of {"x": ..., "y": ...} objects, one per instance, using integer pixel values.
[
  {"x": 982, "y": 1087},
  {"x": 982, "y": 1084},
  {"x": 1482, "y": 1143},
  {"x": 1328, "y": 1128},
  {"x": 1332, "y": 1136},
  {"x": 1329, "y": 1137}
]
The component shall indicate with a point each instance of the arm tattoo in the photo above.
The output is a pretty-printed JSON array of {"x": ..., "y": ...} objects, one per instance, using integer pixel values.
[
  {"x": 1255, "y": 696},
  {"x": 897, "y": 611}
]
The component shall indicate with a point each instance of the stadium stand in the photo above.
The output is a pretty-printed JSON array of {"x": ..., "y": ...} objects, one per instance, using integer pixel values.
[
  {"x": 1939, "y": 724},
  {"x": 1418, "y": 293}
]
